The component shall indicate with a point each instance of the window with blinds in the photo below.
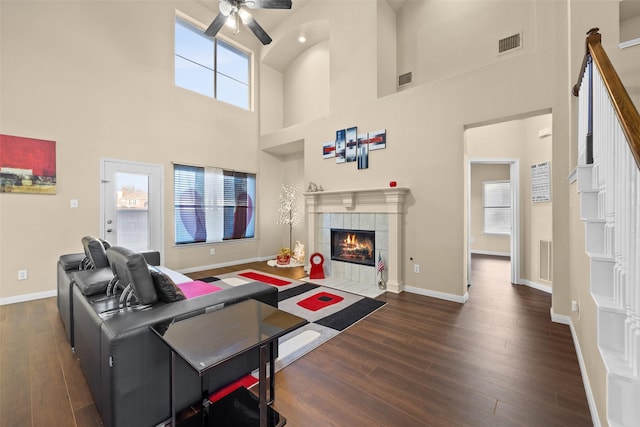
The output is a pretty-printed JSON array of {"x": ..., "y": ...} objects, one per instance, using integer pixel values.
[
  {"x": 496, "y": 197},
  {"x": 212, "y": 204}
]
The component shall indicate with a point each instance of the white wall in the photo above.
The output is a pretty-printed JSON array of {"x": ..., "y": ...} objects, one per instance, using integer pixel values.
[
  {"x": 271, "y": 100},
  {"x": 630, "y": 29},
  {"x": 306, "y": 86},
  {"x": 442, "y": 38},
  {"x": 387, "y": 49}
]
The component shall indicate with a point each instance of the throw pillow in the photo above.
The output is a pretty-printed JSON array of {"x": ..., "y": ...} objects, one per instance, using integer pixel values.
[{"x": 166, "y": 289}]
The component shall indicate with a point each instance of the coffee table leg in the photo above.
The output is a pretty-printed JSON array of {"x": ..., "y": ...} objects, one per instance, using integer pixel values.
[
  {"x": 272, "y": 373},
  {"x": 263, "y": 385},
  {"x": 172, "y": 380}
]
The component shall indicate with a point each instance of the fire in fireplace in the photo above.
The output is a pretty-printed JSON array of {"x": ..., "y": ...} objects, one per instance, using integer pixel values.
[{"x": 354, "y": 246}]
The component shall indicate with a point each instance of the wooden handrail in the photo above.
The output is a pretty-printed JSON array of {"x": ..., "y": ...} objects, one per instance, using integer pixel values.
[{"x": 626, "y": 111}]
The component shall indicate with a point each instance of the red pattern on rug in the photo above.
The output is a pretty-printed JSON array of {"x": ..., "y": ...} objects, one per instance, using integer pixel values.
[
  {"x": 247, "y": 381},
  {"x": 197, "y": 288},
  {"x": 264, "y": 278},
  {"x": 319, "y": 301}
]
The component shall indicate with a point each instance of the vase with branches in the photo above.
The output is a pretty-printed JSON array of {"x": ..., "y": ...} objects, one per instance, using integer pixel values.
[{"x": 289, "y": 211}]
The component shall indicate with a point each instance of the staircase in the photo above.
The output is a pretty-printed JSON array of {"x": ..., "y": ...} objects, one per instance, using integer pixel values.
[{"x": 609, "y": 186}]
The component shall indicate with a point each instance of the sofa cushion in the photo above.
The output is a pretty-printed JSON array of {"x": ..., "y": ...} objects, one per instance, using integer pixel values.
[
  {"x": 92, "y": 282},
  {"x": 166, "y": 289}
]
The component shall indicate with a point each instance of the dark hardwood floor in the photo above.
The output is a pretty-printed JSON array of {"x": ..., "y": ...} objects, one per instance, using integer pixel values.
[{"x": 496, "y": 360}]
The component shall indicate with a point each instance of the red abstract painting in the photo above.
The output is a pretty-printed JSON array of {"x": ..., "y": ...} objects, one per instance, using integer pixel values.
[{"x": 27, "y": 165}]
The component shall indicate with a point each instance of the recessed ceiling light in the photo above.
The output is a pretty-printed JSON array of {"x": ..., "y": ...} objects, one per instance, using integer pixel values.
[{"x": 302, "y": 39}]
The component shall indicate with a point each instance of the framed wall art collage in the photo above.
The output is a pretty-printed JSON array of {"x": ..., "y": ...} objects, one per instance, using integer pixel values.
[{"x": 351, "y": 146}]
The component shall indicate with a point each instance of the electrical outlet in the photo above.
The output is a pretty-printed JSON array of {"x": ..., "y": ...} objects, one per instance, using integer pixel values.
[
  {"x": 73, "y": 204},
  {"x": 212, "y": 251},
  {"x": 416, "y": 268},
  {"x": 22, "y": 275}
]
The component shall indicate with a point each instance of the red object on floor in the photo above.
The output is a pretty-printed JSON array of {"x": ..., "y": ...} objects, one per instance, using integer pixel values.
[
  {"x": 197, "y": 288},
  {"x": 319, "y": 301},
  {"x": 247, "y": 381},
  {"x": 317, "y": 266},
  {"x": 264, "y": 278}
]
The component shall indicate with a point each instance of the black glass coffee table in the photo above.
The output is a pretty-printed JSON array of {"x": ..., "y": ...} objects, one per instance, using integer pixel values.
[{"x": 203, "y": 344}]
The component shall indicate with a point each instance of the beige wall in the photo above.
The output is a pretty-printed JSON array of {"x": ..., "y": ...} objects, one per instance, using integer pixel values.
[
  {"x": 97, "y": 77},
  {"x": 425, "y": 127},
  {"x": 481, "y": 242},
  {"x": 306, "y": 86}
]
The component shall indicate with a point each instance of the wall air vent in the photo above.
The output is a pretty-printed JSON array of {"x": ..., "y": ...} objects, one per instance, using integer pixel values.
[
  {"x": 405, "y": 79},
  {"x": 509, "y": 43}
]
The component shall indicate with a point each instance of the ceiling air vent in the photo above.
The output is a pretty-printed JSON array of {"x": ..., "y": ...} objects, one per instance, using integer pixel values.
[
  {"x": 405, "y": 79},
  {"x": 509, "y": 43}
]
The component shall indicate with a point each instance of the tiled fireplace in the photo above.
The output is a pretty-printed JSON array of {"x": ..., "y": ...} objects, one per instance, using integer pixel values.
[{"x": 372, "y": 214}]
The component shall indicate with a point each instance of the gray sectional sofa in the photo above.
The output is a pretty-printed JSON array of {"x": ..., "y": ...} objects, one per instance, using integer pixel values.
[{"x": 126, "y": 365}]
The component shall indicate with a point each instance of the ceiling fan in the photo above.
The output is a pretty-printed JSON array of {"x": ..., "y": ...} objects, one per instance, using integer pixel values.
[{"x": 234, "y": 9}]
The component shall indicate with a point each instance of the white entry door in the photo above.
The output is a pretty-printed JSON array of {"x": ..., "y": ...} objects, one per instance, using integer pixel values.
[{"x": 132, "y": 206}]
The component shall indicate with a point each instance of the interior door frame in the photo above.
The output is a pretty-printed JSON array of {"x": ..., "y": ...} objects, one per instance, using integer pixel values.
[
  {"x": 514, "y": 178},
  {"x": 160, "y": 169}
]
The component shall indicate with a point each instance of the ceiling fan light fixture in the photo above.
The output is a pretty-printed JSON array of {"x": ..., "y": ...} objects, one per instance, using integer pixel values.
[
  {"x": 244, "y": 15},
  {"x": 225, "y": 8},
  {"x": 230, "y": 22}
]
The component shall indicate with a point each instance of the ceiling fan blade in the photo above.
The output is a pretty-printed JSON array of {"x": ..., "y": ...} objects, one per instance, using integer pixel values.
[
  {"x": 253, "y": 25},
  {"x": 216, "y": 25},
  {"x": 268, "y": 4}
]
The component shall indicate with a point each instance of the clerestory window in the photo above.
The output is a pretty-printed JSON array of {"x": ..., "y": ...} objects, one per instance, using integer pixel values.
[{"x": 210, "y": 66}]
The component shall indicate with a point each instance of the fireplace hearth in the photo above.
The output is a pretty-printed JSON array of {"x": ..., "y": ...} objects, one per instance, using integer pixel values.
[{"x": 353, "y": 246}]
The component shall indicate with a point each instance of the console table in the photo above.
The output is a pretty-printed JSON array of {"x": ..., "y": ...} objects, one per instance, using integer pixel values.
[{"x": 203, "y": 344}]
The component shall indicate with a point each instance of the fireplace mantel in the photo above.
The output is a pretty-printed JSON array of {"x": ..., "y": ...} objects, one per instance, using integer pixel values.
[{"x": 388, "y": 200}]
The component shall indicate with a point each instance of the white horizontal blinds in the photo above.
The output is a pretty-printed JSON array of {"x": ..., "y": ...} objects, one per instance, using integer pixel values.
[
  {"x": 497, "y": 207},
  {"x": 188, "y": 185},
  {"x": 213, "y": 196},
  {"x": 212, "y": 204},
  {"x": 239, "y": 196}
]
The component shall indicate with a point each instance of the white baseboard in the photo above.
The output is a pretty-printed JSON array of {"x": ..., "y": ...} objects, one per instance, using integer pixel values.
[
  {"x": 223, "y": 264},
  {"x": 435, "y": 294},
  {"x": 535, "y": 285},
  {"x": 593, "y": 409},
  {"x": 28, "y": 297},
  {"x": 560, "y": 318}
]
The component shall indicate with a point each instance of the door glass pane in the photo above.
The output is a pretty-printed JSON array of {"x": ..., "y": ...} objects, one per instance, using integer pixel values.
[{"x": 132, "y": 204}]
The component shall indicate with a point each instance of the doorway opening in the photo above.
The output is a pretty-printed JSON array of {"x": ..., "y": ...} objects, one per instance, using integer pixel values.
[{"x": 518, "y": 151}]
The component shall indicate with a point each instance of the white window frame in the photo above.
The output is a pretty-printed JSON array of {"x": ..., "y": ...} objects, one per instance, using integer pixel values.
[{"x": 198, "y": 25}]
